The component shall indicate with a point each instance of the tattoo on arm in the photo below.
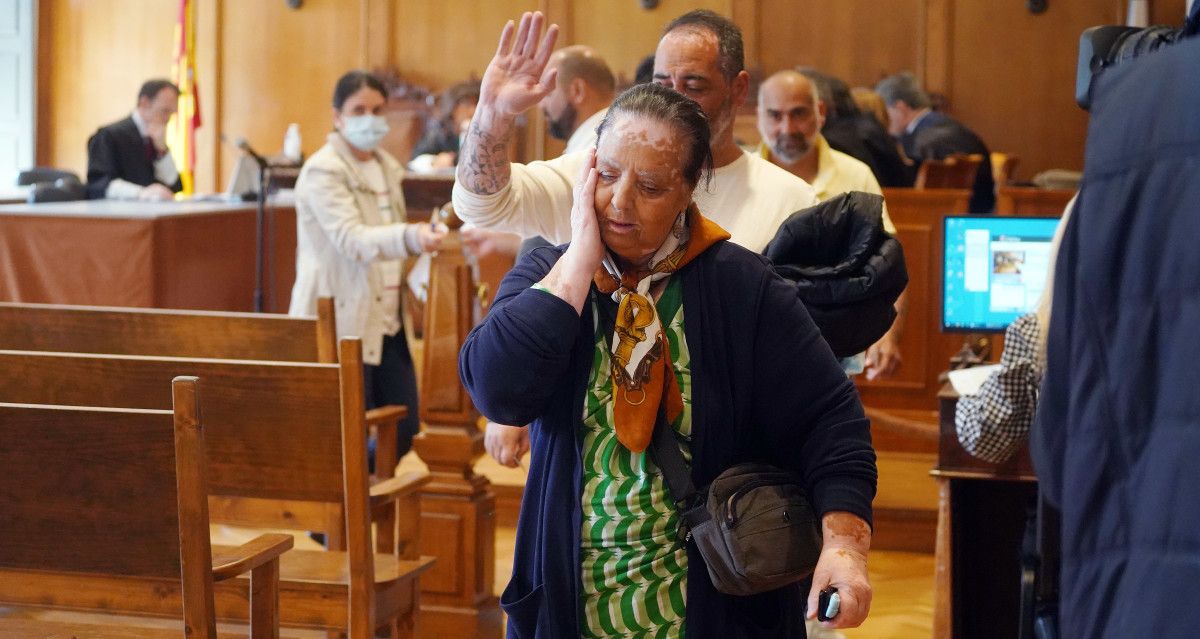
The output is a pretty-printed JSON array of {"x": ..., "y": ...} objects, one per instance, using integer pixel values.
[{"x": 484, "y": 168}]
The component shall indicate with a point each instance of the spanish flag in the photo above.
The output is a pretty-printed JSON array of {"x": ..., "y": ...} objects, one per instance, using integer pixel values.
[{"x": 181, "y": 134}]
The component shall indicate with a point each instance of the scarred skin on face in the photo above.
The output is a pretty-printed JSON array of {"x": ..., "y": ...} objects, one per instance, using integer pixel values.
[{"x": 640, "y": 189}]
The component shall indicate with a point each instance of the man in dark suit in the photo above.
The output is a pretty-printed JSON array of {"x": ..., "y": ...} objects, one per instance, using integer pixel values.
[
  {"x": 128, "y": 159},
  {"x": 929, "y": 135}
]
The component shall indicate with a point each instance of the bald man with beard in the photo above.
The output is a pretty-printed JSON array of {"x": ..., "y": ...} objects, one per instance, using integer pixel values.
[
  {"x": 790, "y": 116},
  {"x": 580, "y": 99}
]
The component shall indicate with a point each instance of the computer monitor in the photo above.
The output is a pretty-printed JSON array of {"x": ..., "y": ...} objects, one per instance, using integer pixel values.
[
  {"x": 243, "y": 180},
  {"x": 994, "y": 269}
]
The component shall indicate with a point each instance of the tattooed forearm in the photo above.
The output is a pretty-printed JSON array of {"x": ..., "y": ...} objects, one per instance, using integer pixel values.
[{"x": 483, "y": 168}]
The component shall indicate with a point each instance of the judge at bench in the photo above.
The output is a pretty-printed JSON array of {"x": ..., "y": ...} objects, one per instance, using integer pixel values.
[{"x": 129, "y": 159}]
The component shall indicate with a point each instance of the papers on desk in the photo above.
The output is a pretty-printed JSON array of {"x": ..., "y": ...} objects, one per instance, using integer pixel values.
[{"x": 967, "y": 381}]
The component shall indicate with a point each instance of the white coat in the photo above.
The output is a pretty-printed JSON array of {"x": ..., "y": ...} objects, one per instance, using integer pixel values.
[{"x": 343, "y": 243}]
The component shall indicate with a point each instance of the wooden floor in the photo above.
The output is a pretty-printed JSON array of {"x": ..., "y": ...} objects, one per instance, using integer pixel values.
[{"x": 902, "y": 607}]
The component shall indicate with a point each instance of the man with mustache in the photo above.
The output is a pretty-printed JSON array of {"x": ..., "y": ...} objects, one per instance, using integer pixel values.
[{"x": 790, "y": 116}]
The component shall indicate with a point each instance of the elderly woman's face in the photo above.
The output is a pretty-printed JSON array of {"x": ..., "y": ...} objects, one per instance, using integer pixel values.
[{"x": 640, "y": 187}]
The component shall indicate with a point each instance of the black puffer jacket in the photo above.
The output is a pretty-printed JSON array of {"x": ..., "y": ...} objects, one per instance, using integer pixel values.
[{"x": 848, "y": 270}]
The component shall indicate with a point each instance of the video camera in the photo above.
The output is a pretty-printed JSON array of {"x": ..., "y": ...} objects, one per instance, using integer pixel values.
[{"x": 1103, "y": 47}]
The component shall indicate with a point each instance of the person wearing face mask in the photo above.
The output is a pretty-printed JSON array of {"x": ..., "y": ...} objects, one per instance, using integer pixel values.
[
  {"x": 351, "y": 238},
  {"x": 128, "y": 159}
]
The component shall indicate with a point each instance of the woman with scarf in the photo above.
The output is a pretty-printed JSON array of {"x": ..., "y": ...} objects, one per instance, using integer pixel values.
[
  {"x": 650, "y": 309},
  {"x": 351, "y": 238}
]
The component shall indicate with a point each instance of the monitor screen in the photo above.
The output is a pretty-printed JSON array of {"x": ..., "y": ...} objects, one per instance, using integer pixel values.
[{"x": 994, "y": 269}]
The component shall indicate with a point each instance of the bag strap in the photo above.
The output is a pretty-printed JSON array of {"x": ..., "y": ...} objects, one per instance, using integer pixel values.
[{"x": 688, "y": 503}]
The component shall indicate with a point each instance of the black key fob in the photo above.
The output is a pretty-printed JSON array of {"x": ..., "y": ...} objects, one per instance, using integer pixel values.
[{"x": 828, "y": 603}]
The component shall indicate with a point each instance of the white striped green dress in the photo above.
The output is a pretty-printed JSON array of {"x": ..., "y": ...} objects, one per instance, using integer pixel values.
[{"x": 634, "y": 568}]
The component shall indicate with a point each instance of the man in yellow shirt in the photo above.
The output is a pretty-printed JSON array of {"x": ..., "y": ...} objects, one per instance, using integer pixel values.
[{"x": 790, "y": 117}]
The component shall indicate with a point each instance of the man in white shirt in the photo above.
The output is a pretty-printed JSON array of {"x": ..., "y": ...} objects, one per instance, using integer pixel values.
[
  {"x": 585, "y": 87},
  {"x": 699, "y": 55},
  {"x": 128, "y": 159},
  {"x": 790, "y": 116}
]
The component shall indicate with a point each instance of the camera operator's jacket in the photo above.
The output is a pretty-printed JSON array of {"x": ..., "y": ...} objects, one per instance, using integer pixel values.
[{"x": 1117, "y": 440}]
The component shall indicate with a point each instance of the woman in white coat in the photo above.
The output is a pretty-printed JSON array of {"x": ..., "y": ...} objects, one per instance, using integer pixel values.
[{"x": 352, "y": 237}]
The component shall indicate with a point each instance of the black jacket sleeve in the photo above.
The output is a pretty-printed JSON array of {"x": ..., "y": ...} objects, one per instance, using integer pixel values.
[
  {"x": 102, "y": 163},
  {"x": 803, "y": 401}
]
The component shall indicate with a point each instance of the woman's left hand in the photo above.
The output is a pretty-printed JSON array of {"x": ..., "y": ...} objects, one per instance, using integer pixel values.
[
  {"x": 843, "y": 565},
  {"x": 431, "y": 237}
]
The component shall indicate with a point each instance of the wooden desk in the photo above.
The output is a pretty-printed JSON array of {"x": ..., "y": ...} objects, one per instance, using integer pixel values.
[
  {"x": 189, "y": 255},
  {"x": 982, "y": 509},
  {"x": 1031, "y": 201},
  {"x": 14, "y": 194},
  {"x": 425, "y": 192}
]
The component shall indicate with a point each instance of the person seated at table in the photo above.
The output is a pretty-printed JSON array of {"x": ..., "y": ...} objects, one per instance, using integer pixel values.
[
  {"x": 129, "y": 159},
  {"x": 992, "y": 423},
  {"x": 351, "y": 236},
  {"x": 650, "y": 309},
  {"x": 438, "y": 149}
]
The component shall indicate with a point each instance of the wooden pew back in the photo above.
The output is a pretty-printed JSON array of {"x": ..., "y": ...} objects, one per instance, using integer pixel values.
[
  {"x": 273, "y": 428},
  {"x": 174, "y": 333},
  {"x": 89, "y": 490},
  {"x": 101, "y": 492}
]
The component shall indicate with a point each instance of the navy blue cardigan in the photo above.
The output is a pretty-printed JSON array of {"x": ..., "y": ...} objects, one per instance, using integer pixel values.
[{"x": 765, "y": 387}]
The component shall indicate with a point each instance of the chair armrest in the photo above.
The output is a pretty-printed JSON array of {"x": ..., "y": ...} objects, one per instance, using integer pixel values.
[
  {"x": 231, "y": 562},
  {"x": 386, "y": 415},
  {"x": 394, "y": 488}
]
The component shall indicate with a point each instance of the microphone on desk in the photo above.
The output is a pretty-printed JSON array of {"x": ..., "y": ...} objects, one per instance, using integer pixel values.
[{"x": 244, "y": 146}]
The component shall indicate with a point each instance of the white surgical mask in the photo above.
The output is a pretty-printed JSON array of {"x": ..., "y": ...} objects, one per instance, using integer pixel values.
[{"x": 364, "y": 132}]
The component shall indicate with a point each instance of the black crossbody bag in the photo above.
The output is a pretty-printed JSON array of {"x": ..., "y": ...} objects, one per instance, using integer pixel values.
[{"x": 754, "y": 525}]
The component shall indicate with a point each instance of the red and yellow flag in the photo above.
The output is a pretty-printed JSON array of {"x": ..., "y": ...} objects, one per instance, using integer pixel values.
[{"x": 181, "y": 132}]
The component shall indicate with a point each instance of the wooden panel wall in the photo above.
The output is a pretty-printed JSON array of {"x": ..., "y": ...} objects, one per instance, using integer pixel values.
[
  {"x": 1007, "y": 74},
  {"x": 279, "y": 66},
  {"x": 92, "y": 59},
  {"x": 859, "y": 41}
]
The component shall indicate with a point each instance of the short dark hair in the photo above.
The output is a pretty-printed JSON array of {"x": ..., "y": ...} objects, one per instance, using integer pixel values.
[
  {"x": 657, "y": 102},
  {"x": 834, "y": 93},
  {"x": 462, "y": 92},
  {"x": 151, "y": 88},
  {"x": 350, "y": 83},
  {"x": 645, "y": 70},
  {"x": 902, "y": 86},
  {"x": 731, "y": 57}
]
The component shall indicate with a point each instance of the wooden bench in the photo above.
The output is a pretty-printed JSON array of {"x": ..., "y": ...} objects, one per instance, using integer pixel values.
[
  {"x": 170, "y": 333},
  {"x": 275, "y": 455},
  {"x": 98, "y": 500},
  {"x": 179, "y": 333}
]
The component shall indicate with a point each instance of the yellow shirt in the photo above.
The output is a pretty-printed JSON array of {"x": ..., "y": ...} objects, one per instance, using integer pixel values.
[{"x": 839, "y": 173}]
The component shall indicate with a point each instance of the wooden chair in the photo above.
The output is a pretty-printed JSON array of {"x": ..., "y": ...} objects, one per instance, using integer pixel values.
[
  {"x": 100, "y": 503},
  {"x": 956, "y": 171},
  {"x": 1003, "y": 167},
  {"x": 179, "y": 333},
  {"x": 276, "y": 458}
]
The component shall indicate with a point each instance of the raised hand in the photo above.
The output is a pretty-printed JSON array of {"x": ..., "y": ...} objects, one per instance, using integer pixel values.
[{"x": 517, "y": 78}]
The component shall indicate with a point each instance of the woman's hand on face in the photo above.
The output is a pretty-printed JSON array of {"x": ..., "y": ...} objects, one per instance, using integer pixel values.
[
  {"x": 586, "y": 249},
  {"x": 517, "y": 78},
  {"x": 430, "y": 236}
]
